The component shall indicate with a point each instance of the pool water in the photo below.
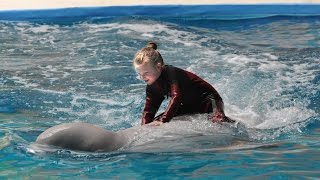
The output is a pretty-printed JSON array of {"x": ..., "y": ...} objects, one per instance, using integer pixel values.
[{"x": 77, "y": 67}]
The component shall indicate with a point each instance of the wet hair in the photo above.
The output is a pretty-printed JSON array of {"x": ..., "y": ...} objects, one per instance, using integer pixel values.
[{"x": 148, "y": 54}]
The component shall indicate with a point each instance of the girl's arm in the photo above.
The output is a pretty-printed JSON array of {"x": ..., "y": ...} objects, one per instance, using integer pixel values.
[
  {"x": 173, "y": 103},
  {"x": 151, "y": 107}
]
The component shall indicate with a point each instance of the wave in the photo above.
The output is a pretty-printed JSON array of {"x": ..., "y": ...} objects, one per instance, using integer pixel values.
[{"x": 216, "y": 12}]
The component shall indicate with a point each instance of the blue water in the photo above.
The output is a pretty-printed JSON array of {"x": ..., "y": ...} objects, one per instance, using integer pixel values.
[{"x": 75, "y": 65}]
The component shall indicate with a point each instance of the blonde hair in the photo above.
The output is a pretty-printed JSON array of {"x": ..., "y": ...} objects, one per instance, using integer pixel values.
[{"x": 148, "y": 54}]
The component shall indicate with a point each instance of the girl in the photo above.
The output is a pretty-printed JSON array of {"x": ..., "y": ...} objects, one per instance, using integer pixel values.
[{"x": 189, "y": 94}]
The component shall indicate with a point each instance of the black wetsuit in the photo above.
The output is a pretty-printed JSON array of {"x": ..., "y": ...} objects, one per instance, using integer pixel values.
[{"x": 189, "y": 95}]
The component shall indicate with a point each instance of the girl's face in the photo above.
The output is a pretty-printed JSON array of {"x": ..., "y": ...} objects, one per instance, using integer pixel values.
[{"x": 148, "y": 72}]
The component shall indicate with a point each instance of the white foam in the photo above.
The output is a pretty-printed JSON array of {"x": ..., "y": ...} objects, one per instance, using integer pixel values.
[
  {"x": 285, "y": 116},
  {"x": 24, "y": 82},
  {"x": 182, "y": 132},
  {"x": 260, "y": 102},
  {"x": 50, "y": 91},
  {"x": 86, "y": 68},
  {"x": 5, "y": 141},
  {"x": 148, "y": 30}
]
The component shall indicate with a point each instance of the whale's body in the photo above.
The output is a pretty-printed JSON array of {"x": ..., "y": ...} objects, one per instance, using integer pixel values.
[{"x": 90, "y": 138}]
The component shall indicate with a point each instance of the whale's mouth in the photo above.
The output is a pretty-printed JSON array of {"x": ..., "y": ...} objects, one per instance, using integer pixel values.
[{"x": 38, "y": 149}]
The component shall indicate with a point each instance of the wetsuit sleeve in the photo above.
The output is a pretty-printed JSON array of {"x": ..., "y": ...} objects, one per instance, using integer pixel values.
[
  {"x": 151, "y": 107},
  {"x": 175, "y": 93},
  {"x": 173, "y": 103}
]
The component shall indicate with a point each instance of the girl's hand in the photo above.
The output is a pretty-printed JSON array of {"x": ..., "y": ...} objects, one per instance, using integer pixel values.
[
  {"x": 156, "y": 123},
  {"x": 217, "y": 117}
]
